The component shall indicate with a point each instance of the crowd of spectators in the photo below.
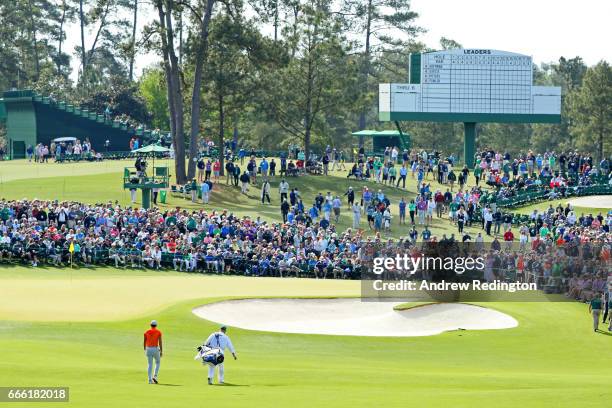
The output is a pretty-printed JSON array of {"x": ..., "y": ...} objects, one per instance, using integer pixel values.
[
  {"x": 548, "y": 172},
  {"x": 59, "y": 151},
  {"x": 558, "y": 249},
  {"x": 44, "y": 231},
  {"x": 219, "y": 241}
]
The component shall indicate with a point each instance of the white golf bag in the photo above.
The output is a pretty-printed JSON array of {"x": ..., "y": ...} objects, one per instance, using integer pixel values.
[{"x": 209, "y": 355}]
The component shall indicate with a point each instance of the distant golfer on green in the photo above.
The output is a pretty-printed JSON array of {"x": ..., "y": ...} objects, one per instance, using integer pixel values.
[
  {"x": 153, "y": 350},
  {"x": 595, "y": 309}
]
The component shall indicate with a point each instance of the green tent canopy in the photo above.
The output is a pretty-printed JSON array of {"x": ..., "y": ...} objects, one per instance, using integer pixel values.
[{"x": 153, "y": 148}]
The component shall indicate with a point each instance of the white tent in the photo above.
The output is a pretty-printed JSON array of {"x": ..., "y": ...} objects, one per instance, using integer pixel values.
[{"x": 65, "y": 139}]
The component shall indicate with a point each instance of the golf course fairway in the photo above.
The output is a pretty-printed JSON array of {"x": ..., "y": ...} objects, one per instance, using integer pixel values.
[{"x": 83, "y": 329}]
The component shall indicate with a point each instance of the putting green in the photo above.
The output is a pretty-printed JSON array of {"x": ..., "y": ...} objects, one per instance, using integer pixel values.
[
  {"x": 109, "y": 294},
  {"x": 552, "y": 359}
]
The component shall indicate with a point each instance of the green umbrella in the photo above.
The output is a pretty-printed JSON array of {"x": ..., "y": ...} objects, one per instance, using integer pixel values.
[{"x": 153, "y": 148}]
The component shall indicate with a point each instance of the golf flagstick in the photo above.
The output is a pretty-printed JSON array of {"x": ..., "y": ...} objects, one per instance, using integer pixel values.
[{"x": 71, "y": 250}]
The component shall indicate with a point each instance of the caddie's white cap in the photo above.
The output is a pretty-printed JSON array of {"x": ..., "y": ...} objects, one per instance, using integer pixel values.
[{"x": 153, "y": 322}]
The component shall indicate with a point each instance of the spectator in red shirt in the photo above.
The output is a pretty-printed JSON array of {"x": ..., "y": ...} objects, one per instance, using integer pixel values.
[
  {"x": 439, "y": 199},
  {"x": 508, "y": 238}
]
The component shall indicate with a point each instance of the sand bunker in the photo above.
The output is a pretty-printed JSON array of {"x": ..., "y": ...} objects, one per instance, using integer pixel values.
[
  {"x": 603, "y": 201},
  {"x": 351, "y": 317}
]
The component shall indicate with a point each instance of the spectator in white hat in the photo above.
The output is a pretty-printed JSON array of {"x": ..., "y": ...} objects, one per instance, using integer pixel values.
[{"x": 222, "y": 341}]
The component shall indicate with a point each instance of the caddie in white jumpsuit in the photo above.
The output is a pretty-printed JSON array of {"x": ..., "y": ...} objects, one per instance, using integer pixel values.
[{"x": 221, "y": 340}]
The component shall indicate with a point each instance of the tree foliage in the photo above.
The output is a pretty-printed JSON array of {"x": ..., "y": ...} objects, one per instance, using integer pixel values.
[
  {"x": 122, "y": 100},
  {"x": 274, "y": 72},
  {"x": 152, "y": 87},
  {"x": 591, "y": 109}
]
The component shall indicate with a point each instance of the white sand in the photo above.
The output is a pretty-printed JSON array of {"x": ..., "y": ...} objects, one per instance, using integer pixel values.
[
  {"x": 603, "y": 201},
  {"x": 351, "y": 317}
]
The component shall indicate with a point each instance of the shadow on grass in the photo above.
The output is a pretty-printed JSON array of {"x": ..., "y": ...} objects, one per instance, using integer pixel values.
[
  {"x": 231, "y": 385},
  {"x": 605, "y": 333}
]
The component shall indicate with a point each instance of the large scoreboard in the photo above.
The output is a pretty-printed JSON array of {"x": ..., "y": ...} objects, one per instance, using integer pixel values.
[{"x": 470, "y": 85}]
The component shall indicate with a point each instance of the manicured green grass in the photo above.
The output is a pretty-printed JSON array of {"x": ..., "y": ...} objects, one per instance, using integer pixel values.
[
  {"x": 82, "y": 328},
  {"x": 544, "y": 205},
  {"x": 552, "y": 359},
  {"x": 102, "y": 182},
  {"x": 109, "y": 294}
]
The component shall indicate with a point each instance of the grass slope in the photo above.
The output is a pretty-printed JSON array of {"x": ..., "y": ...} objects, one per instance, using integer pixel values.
[
  {"x": 552, "y": 359},
  {"x": 102, "y": 182},
  {"x": 544, "y": 205}
]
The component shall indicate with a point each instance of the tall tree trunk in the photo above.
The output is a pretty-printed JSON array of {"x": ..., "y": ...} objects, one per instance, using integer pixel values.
[
  {"x": 235, "y": 132},
  {"x": 133, "y": 51},
  {"x": 296, "y": 13},
  {"x": 181, "y": 38},
  {"x": 82, "y": 23},
  {"x": 600, "y": 145},
  {"x": 100, "y": 28},
  {"x": 221, "y": 131},
  {"x": 201, "y": 53},
  {"x": 178, "y": 100},
  {"x": 366, "y": 71},
  {"x": 275, "y": 20},
  {"x": 308, "y": 114},
  {"x": 34, "y": 40},
  {"x": 61, "y": 39},
  {"x": 175, "y": 100}
]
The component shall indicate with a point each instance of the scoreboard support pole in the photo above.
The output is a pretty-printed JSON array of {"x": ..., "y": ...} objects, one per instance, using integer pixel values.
[
  {"x": 146, "y": 198},
  {"x": 469, "y": 143}
]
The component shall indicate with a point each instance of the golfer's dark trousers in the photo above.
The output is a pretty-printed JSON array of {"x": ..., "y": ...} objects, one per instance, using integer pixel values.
[
  {"x": 460, "y": 226},
  {"x": 284, "y": 217},
  {"x": 265, "y": 197},
  {"x": 403, "y": 180},
  {"x": 283, "y": 196},
  {"x": 488, "y": 227}
]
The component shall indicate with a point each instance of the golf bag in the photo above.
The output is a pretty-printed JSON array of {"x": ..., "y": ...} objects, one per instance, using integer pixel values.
[{"x": 209, "y": 355}]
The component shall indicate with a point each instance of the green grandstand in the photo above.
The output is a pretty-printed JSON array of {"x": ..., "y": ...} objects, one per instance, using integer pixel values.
[{"x": 32, "y": 119}]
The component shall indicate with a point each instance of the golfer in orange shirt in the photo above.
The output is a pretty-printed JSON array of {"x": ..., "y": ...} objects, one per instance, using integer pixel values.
[{"x": 153, "y": 350}]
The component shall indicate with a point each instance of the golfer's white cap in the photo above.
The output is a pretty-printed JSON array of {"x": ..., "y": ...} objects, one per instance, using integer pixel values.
[{"x": 153, "y": 322}]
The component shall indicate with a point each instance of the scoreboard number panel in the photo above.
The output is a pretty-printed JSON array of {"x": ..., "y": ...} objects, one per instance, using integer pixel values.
[
  {"x": 469, "y": 86},
  {"x": 472, "y": 81}
]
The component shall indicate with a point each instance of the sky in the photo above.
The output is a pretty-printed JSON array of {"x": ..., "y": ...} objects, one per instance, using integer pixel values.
[{"x": 544, "y": 29}]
